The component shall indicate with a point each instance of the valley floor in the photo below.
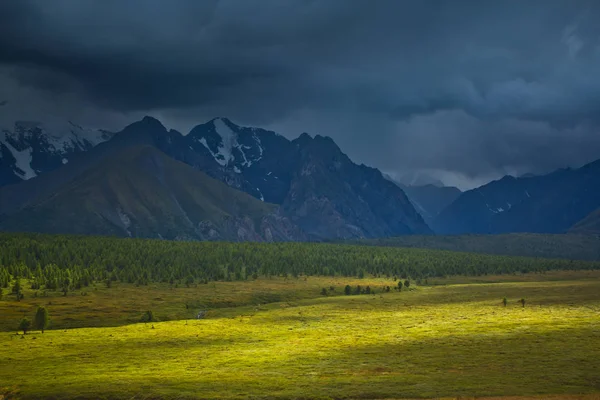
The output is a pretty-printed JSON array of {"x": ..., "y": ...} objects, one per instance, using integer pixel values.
[{"x": 449, "y": 339}]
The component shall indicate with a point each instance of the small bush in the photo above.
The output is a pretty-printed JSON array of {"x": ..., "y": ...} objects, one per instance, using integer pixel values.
[{"x": 24, "y": 325}]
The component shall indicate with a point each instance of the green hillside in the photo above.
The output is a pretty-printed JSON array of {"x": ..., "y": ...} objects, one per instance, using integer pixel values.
[{"x": 140, "y": 192}]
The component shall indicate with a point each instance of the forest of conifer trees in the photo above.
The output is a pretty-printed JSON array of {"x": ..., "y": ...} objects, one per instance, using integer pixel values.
[{"x": 60, "y": 262}]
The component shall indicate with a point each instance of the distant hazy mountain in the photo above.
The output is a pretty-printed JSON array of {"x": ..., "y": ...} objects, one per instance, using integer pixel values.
[
  {"x": 316, "y": 186},
  {"x": 31, "y": 148},
  {"x": 418, "y": 179},
  {"x": 550, "y": 203},
  {"x": 430, "y": 200}
]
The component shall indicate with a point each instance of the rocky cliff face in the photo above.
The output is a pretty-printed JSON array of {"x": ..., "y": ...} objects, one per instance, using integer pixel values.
[{"x": 331, "y": 197}]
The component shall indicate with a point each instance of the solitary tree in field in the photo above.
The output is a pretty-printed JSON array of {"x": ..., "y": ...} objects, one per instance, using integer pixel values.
[
  {"x": 522, "y": 301},
  {"x": 406, "y": 283},
  {"x": 368, "y": 290},
  {"x": 504, "y": 301},
  {"x": 41, "y": 319},
  {"x": 400, "y": 285},
  {"x": 347, "y": 290},
  {"x": 24, "y": 325},
  {"x": 358, "y": 289},
  {"x": 324, "y": 292}
]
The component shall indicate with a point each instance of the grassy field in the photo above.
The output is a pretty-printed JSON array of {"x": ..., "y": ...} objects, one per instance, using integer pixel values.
[
  {"x": 125, "y": 303},
  {"x": 453, "y": 338}
]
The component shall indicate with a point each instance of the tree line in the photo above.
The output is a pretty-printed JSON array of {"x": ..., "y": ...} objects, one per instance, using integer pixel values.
[{"x": 65, "y": 263}]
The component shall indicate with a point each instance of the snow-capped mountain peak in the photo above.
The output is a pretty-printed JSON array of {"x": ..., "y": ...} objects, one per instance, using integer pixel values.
[
  {"x": 32, "y": 147},
  {"x": 230, "y": 145}
]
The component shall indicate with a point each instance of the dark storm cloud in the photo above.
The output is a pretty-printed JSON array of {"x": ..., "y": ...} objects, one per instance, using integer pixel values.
[{"x": 472, "y": 89}]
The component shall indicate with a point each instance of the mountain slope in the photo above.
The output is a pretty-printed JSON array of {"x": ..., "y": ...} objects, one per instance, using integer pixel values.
[
  {"x": 141, "y": 192},
  {"x": 542, "y": 204},
  {"x": 254, "y": 160},
  {"x": 331, "y": 197},
  {"x": 318, "y": 186},
  {"x": 588, "y": 225}
]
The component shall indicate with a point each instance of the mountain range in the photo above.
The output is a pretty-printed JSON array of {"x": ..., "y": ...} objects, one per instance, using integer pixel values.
[
  {"x": 220, "y": 181},
  {"x": 551, "y": 203}
]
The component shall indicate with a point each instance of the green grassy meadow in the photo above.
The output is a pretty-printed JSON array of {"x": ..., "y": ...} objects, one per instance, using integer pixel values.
[{"x": 281, "y": 339}]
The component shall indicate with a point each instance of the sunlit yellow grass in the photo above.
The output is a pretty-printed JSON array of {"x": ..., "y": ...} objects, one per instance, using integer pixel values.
[{"x": 452, "y": 340}]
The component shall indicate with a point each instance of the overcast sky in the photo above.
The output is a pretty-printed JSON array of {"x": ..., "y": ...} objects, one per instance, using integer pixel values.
[{"x": 465, "y": 91}]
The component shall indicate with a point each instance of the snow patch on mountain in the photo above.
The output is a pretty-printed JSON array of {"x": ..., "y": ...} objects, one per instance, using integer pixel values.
[
  {"x": 260, "y": 147},
  {"x": 225, "y": 152},
  {"x": 70, "y": 135},
  {"x": 262, "y": 198},
  {"x": 23, "y": 161},
  {"x": 60, "y": 137},
  {"x": 228, "y": 141},
  {"x": 46, "y": 145}
]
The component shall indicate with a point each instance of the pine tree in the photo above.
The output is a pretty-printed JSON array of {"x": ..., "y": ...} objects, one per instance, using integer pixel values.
[
  {"x": 17, "y": 289},
  {"x": 41, "y": 319}
]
